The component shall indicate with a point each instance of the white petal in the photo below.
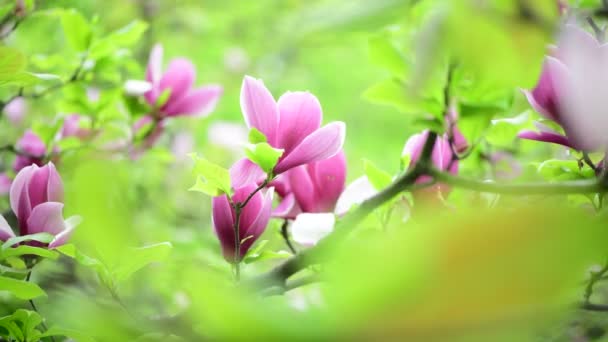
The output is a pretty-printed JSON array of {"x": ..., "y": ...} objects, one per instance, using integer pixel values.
[
  {"x": 308, "y": 229},
  {"x": 137, "y": 87},
  {"x": 355, "y": 193}
]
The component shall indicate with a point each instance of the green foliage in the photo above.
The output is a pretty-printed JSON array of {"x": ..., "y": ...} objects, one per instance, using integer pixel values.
[
  {"x": 20, "y": 288},
  {"x": 256, "y": 137},
  {"x": 22, "y": 326},
  {"x": 141, "y": 257},
  {"x": 264, "y": 155},
  {"x": 380, "y": 179},
  {"x": 76, "y": 29},
  {"x": 211, "y": 179}
]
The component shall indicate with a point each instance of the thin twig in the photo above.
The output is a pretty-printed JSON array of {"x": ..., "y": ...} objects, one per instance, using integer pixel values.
[{"x": 285, "y": 235}]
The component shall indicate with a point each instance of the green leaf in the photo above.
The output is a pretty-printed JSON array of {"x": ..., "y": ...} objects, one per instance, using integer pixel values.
[
  {"x": 28, "y": 250},
  {"x": 163, "y": 98},
  {"x": 383, "y": 53},
  {"x": 12, "y": 63},
  {"x": 255, "y": 252},
  {"x": 393, "y": 92},
  {"x": 256, "y": 137},
  {"x": 267, "y": 255},
  {"x": 264, "y": 155},
  {"x": 555, "y": 169},
  {"x": 40, "y": 237},
  {"x": 21, "y": 289},
  {"x": 141, "y": 257},
  {"x": 502, "y": 132},
  {"x": 123, "y": 37},
  {"x": 211, "y": 179},
  {"x": 72, "y": 334},
  {"x": 22, "y": 324},
  {"x": 76, "y": 29},
  {"x": 69, "y": 143},
  {"x": 380, "y": 179}
]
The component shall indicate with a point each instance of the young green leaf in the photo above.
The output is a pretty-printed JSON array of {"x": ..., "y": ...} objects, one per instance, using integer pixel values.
[
  {"x": 383, "y": 53},
  {"x": 12, "y": 62},
  {"x": 20, "y": 288},
  {"x": 76, "y": 29},
  {"x": 256, "y": 137},
  {"x": 264, "y": 155},
  {"x": 141, "y": 257},
  {"x": 380, "y": 179},
  {"x": 211, "y": 179},
  {"x": 39, "y": 237}
]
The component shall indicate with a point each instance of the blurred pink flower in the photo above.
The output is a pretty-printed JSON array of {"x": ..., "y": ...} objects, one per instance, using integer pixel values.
[
  {"x": 461, "y": 144},
  {"x": 73, "y": 127},
  {"x": 31, "y": 150},
  {"x": 568, "y": 93},
  {"x": 179, "y": 78},
  {"x": 441, "y": 157},
  {"x": 292, "y": 124},
  {"x": 15, "y": 110},
  {"x": 36, "y": 198},
  {"x": 5, "y": 184}
]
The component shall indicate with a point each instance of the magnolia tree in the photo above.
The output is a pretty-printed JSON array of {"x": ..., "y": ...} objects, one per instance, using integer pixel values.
[{"x": 491, "y": 225}]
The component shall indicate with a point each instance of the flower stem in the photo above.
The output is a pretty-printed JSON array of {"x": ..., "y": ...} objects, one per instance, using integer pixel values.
[
  {"x": 285, "y": 235},
  {"x": 31, "y": 301}
]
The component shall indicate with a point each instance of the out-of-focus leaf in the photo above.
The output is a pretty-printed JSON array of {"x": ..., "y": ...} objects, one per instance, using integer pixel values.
[
  {"x": 28, "y": 250},
  {"x": 77, "y": 29},
  {"x": 12, "y": 63},
  {"x": 256, "y": 137},
  {"x": 264, "y": 155},
  {"x": 141, "y": 257},
  {"x": 383, "y": 53},
  {"x": 73, "y": 334},
  {"x": 502, "y": 132},
  {"x": 211, "y": 179},
  {"x": 380, "y": 179},
  {"x": 393, "y": 93},
  {"x": 555, "y": 169},
  {"x": 123, "y": 37},
  {"x": 40, "y": 237},
  {"x": 21, "y": 289}
]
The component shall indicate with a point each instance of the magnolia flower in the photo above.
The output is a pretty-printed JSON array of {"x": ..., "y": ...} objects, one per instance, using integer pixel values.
[
  {"x": 253, "y": 219},
  {"x": 15, "y": 110},
  {"x": 460, "y": 143},
  {"x": 441, "y": 158},
  {"x": 568, "y": 93},
  {"x": 5, "y": 184},
  {"x": 74, "y": 125},
  {"x": 292, "y": 124},
  {"x": 178, "y": 79},
  {"x": 31, "y": 151},
  {"x": 36, "y": 197},
  {"x": 312, "y": 188}
]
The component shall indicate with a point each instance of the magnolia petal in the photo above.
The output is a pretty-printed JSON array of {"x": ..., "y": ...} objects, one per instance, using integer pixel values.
[
  {"x": 251, "y": 211},
  {"x": 18, "y": 197},
  {"x": 308, "y": 229},
  {"x": 61, "y": 238},
  {"x": 198, "y": 102},
  {"x": 6, "y": 232},
  {"x": 553, "y": 138},
  {"x": 321, "y": 144},
  {"x": 300, "y": 114},
  {"x": 287, "y": 208},
  {"x": 355, "y": 193},
  {"x": 55, "y": 185},
  {"x": 245, "y": 172},
  {"x": 259, "y": 108},
  {"x": 137, "y": 87},
  {"x": 46, "y": 218},
  {"x": 223, "y": 224},
  {"x": 5, "y": 184},
  {"x": 179, "y": 77},
  {"x": 303, "y": 188},
  {"x": 256, "y": 229},
  {"x": 154, "y": 68},
  {"x": 329, "y": 177}
]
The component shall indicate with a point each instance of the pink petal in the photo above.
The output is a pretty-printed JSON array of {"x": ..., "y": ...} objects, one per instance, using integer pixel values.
[
  {"x": 259, "y": 108},
  {"x": 245, "y": 172},
  {"x": 553, "y": 138},
  {"x": 31, "y": 144},
  {"x": 55, "y": 185},
  {"x": 258, "y": 226},
  {"x": 5, "y": 184},
  {"x": 329, "y": 177},
  {"x": 46, "y": 218},
  {"x": 19, "y": 197},
  {"x": 223, "y": 223},
  {"x": 287, "y": 208},
  {"x": 61, "y": 238},
  {"x": 199, "y": 102},
  {"x": 251, "y": 211},
  {"x": 299, "y": 115},
  {"x": 5, "y": 230},
  {"x": 154, "y": 69},
  {"x": 178, "y": 77},
  {"x": 303, "y": 188},
  {"x": 321, "y": 144}
]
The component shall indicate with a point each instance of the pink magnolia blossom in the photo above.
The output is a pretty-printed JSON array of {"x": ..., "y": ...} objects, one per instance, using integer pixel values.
[
  {"x": 31, "y": 151},
  {"x": 5, "y": 184},
  {"x": 15, "y": 110},
  {"x": 253, "y": 220},
  {"x": 312, "y": 188},
  {"x": 568, "y": 93},
  {"x": 73, "y": 127},
  {"x": 292, "y": 124},
  {"x": 461, "y": 144},
  {"x": 36, "y": 197},
  {"x": 441, "y": 157},
  {"x": 184, "y": 98}
]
